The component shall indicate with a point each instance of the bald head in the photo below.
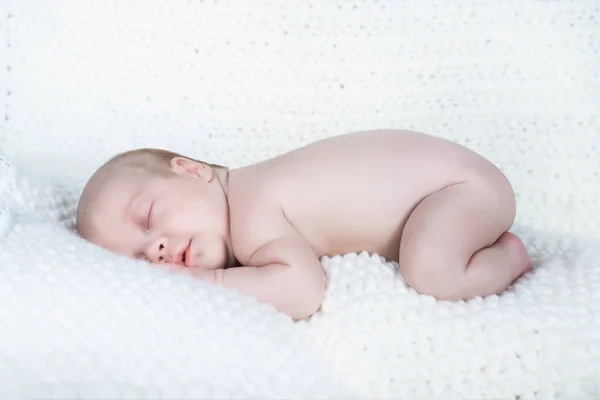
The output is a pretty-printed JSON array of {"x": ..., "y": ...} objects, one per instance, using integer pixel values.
[
  {"x": 151, "y": 204},
  {"x": 139, "y": 163},
  {"x": 135, "y": 162},
  {"x": 146, "y": 162}
]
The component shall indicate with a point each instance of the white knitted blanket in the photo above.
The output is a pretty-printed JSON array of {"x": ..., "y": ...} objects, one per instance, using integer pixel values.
[{"x": 235, "y": 81}]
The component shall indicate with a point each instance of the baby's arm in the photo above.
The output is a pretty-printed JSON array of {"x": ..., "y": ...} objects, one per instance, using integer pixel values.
[{"x": 285, "y": 273}]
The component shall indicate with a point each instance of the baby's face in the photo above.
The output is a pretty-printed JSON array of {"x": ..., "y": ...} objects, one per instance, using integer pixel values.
[{"x": 181, "y": 219}]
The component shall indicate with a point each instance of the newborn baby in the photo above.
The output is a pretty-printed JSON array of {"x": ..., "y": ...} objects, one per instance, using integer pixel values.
[{"x": 437, "y": 208}]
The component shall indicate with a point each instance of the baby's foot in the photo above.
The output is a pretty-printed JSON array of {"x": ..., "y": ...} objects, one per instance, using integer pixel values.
[{"x": 517, "y": 251}]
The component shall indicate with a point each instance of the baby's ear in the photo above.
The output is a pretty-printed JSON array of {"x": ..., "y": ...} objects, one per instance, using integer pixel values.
[{"x": 184, "y": 166}]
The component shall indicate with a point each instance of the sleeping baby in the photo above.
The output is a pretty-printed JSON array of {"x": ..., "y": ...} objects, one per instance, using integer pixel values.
[{"x": 437, "y": 208}]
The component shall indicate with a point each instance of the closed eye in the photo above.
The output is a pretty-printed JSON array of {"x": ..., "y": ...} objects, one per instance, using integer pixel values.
[{"x": 149, "y": 217}]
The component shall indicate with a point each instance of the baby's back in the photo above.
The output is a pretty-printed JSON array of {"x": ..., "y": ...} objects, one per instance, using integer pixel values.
[{"x": 354, "y": 192}]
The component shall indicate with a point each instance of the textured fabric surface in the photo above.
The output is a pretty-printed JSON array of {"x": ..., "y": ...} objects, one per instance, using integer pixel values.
[
  {"x": 7, "y": 186},
  {"x": 539, "y": 340},
  {"x": 79, "y": 324},
  {"x": 237, "y": 81},
  {"x": 234, "y": 82}
]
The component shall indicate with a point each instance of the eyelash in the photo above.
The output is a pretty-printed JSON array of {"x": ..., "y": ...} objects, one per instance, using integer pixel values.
[{"x": 149, "y": 214}]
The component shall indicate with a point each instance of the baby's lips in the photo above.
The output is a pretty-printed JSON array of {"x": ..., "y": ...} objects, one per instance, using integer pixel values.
[
  {"x": 181, "y": 256},
  {"x": 186, "y": 255}
]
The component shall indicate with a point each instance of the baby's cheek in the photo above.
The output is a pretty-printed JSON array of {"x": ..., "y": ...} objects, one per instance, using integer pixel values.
[{"x": 214, "y": 256}]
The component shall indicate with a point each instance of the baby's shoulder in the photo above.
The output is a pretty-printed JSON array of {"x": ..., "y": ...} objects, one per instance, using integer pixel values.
[{"x": 255, "y": 218}]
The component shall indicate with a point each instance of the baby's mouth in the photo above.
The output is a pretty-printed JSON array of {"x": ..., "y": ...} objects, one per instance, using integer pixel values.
[{"x": 186, "y": 255}]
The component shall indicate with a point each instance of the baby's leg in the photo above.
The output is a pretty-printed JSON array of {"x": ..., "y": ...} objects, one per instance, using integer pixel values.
[{"x": 454, "y": 245}]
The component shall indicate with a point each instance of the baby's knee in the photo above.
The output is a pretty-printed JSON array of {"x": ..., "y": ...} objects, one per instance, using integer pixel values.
[
  {"x": 429, "y": 273},
  {"x": 442, "y": 287}
]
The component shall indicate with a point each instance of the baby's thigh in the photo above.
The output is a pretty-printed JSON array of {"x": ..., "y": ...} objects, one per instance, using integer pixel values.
[
  {"x": 492, "y": 186},
  {"x": 450, "y": 225}
]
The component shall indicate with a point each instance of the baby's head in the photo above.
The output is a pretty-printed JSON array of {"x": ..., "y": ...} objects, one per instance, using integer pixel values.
[{"x": 159, "y": 206}]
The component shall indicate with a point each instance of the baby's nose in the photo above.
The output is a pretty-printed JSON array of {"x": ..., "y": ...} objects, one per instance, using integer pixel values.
[{"x": 157, "y": 251}]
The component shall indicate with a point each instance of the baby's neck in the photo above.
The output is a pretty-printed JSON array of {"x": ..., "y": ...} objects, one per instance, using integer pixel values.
[{"x": 222, "y": 174}]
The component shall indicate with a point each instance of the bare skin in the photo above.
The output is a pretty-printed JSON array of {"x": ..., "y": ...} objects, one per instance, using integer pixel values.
[{"x": 438, "y": 208}]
